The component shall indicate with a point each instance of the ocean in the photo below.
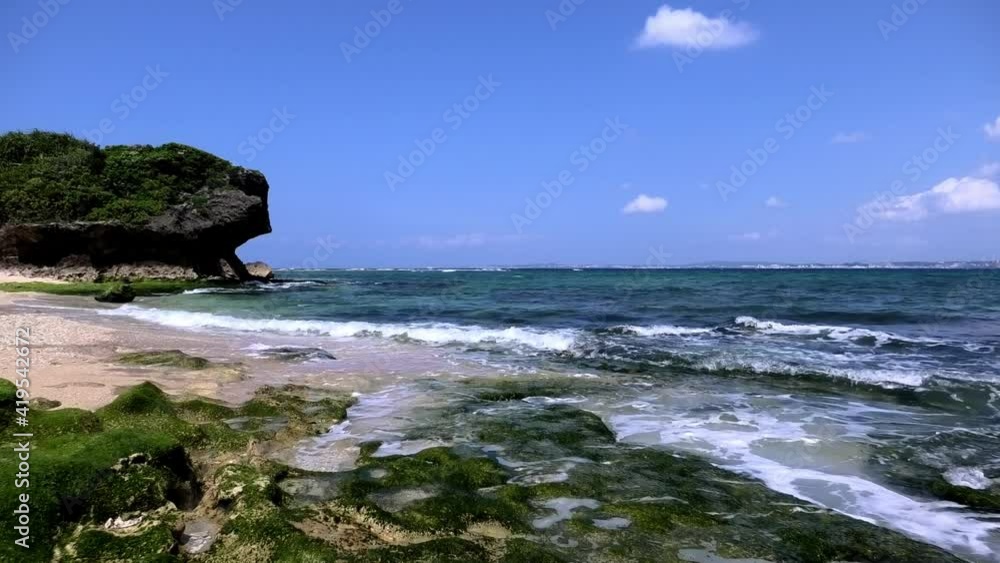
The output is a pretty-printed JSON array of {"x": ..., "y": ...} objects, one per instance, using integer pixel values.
[{"x": 874, "y": 393}]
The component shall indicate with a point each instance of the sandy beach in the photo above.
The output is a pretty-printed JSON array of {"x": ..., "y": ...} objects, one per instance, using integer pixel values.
[
  {"x": 74, "y": 351},
  {"x": 72, "y": 361}
]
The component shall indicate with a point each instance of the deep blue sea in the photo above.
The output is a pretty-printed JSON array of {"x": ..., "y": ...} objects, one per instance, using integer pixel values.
[{"x": 853, "y": 389}]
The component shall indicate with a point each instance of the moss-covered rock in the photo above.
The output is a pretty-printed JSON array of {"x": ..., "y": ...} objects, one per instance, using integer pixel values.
[
  {"x": 139, "y": 287},
  {"x": 592, "y": 499},
  {"x": 164, "y": 358},
  {"x": 117, "y": 293},
  {"x": 151, "y": 538}
]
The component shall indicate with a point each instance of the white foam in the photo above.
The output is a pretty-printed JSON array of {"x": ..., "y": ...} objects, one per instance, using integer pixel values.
[
  {"x": 433, "y": 333},
  {"x": 665, "y": 330},
  {"x": 256, "y": 286},
  {"x": 832, "y": 332},
  {"x": 971, "y": 477},
  {"x": 742, "y": 446},
  {"x": 888, "y": 377}
]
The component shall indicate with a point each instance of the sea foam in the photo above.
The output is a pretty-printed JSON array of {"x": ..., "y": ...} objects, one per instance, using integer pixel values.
[{"x": 433, "y": 333}]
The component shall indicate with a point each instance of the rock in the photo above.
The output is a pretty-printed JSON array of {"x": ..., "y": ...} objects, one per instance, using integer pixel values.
[
  {"x": 198, "y": 536},
  {"x": 260, "y": 271},
  {"x": 118, "y": 523},
  {"x": 164, "y": 358},
  {"x": 43, "y": 404},
  {"x": 296, "y": 353},
  {"x": 117, "y": 293},
  {"x": 168, "y": 212}
]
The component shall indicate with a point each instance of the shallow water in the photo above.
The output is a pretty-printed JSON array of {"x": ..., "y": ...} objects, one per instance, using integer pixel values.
[{"x": 852, "y": 390}]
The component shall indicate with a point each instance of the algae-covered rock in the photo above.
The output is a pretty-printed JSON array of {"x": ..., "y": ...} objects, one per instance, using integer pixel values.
[
  {"x": 164, "y": 358},
  {"x": 525, "y": 481},
  {"x": 297, "y": 353},
  {"x": 117, "y": 293}
]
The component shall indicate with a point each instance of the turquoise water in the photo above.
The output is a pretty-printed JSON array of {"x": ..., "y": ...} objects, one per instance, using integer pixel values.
[{"x": 872, "y": 392}]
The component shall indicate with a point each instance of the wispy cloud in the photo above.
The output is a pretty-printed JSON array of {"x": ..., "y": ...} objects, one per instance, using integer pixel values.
[
  {"x": 992, "y": 129},
  {"x": 464, "y": 240},
  {"x": 843, "y": 138},
  {"x": 952, "y": 196},
  {"x": 775, "y": 202},
  {"x": 688, "y": 28},
  {"x": 645, "y": 204}
]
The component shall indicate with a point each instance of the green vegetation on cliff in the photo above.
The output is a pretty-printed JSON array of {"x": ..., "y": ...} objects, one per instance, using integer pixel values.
[{"x": 47, "y": 177}]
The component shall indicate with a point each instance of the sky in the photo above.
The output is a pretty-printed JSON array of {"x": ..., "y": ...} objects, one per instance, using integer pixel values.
[{"x": 409, "y": 133}]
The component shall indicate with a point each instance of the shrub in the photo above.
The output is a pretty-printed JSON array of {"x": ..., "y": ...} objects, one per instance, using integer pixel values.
[{"x": 46, "y": 176}]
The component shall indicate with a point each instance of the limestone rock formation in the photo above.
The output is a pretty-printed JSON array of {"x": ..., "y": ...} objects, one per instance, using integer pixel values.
[{"x": 71, "y": 210}]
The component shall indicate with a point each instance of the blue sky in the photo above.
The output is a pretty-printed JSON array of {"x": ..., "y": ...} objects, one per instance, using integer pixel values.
[{"x": 430, "y": 138}]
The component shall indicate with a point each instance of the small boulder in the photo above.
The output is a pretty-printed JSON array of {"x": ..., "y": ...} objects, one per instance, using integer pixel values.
[
  {"x": 117, "y": 293},
  {"x": 260, "y": 271}
]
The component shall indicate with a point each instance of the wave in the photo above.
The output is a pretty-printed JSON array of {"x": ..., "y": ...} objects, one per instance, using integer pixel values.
[
  {"x": 622, "y": 359},
  {"x": 253, "y": 287},
  {"x": 432, "y": 333},
  {"x": 888, "y": 377},
  {"x": 832, "y": 332},
  {"x": 658, "y": 330}
]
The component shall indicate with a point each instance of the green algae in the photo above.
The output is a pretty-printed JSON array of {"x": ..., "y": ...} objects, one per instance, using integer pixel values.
[
  {"x": 129, "y": 457},
  {"x": 139, "y": 287},
  {"x": 457, "y": 480},
  {"x": 164, "y": 358},
  {"x": 152, "y": 538},
  {"x": 134, "y": 457}
]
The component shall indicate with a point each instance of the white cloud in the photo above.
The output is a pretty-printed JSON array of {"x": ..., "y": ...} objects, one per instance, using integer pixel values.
[
  {"x": 688, "y": 28},
  {"x": 954, "y": 195},
  {"x": 990, "y": 169},
  {"x": 645, "y": 204},
  {"x": 843, "y": 138},
  {"x": 775, "y": 202},
  {"x": 464, "y": 240},
  {"x": 993, "y": 129}
]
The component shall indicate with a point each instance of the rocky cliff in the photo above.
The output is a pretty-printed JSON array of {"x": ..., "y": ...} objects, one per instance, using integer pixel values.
[{"x": 72, "y": 210}]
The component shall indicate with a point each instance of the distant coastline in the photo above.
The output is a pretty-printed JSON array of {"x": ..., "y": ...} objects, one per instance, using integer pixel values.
[{"x": 942, "y": 265}]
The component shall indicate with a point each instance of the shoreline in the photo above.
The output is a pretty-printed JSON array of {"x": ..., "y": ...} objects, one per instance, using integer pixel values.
[{"x": 77, "y": 350}]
